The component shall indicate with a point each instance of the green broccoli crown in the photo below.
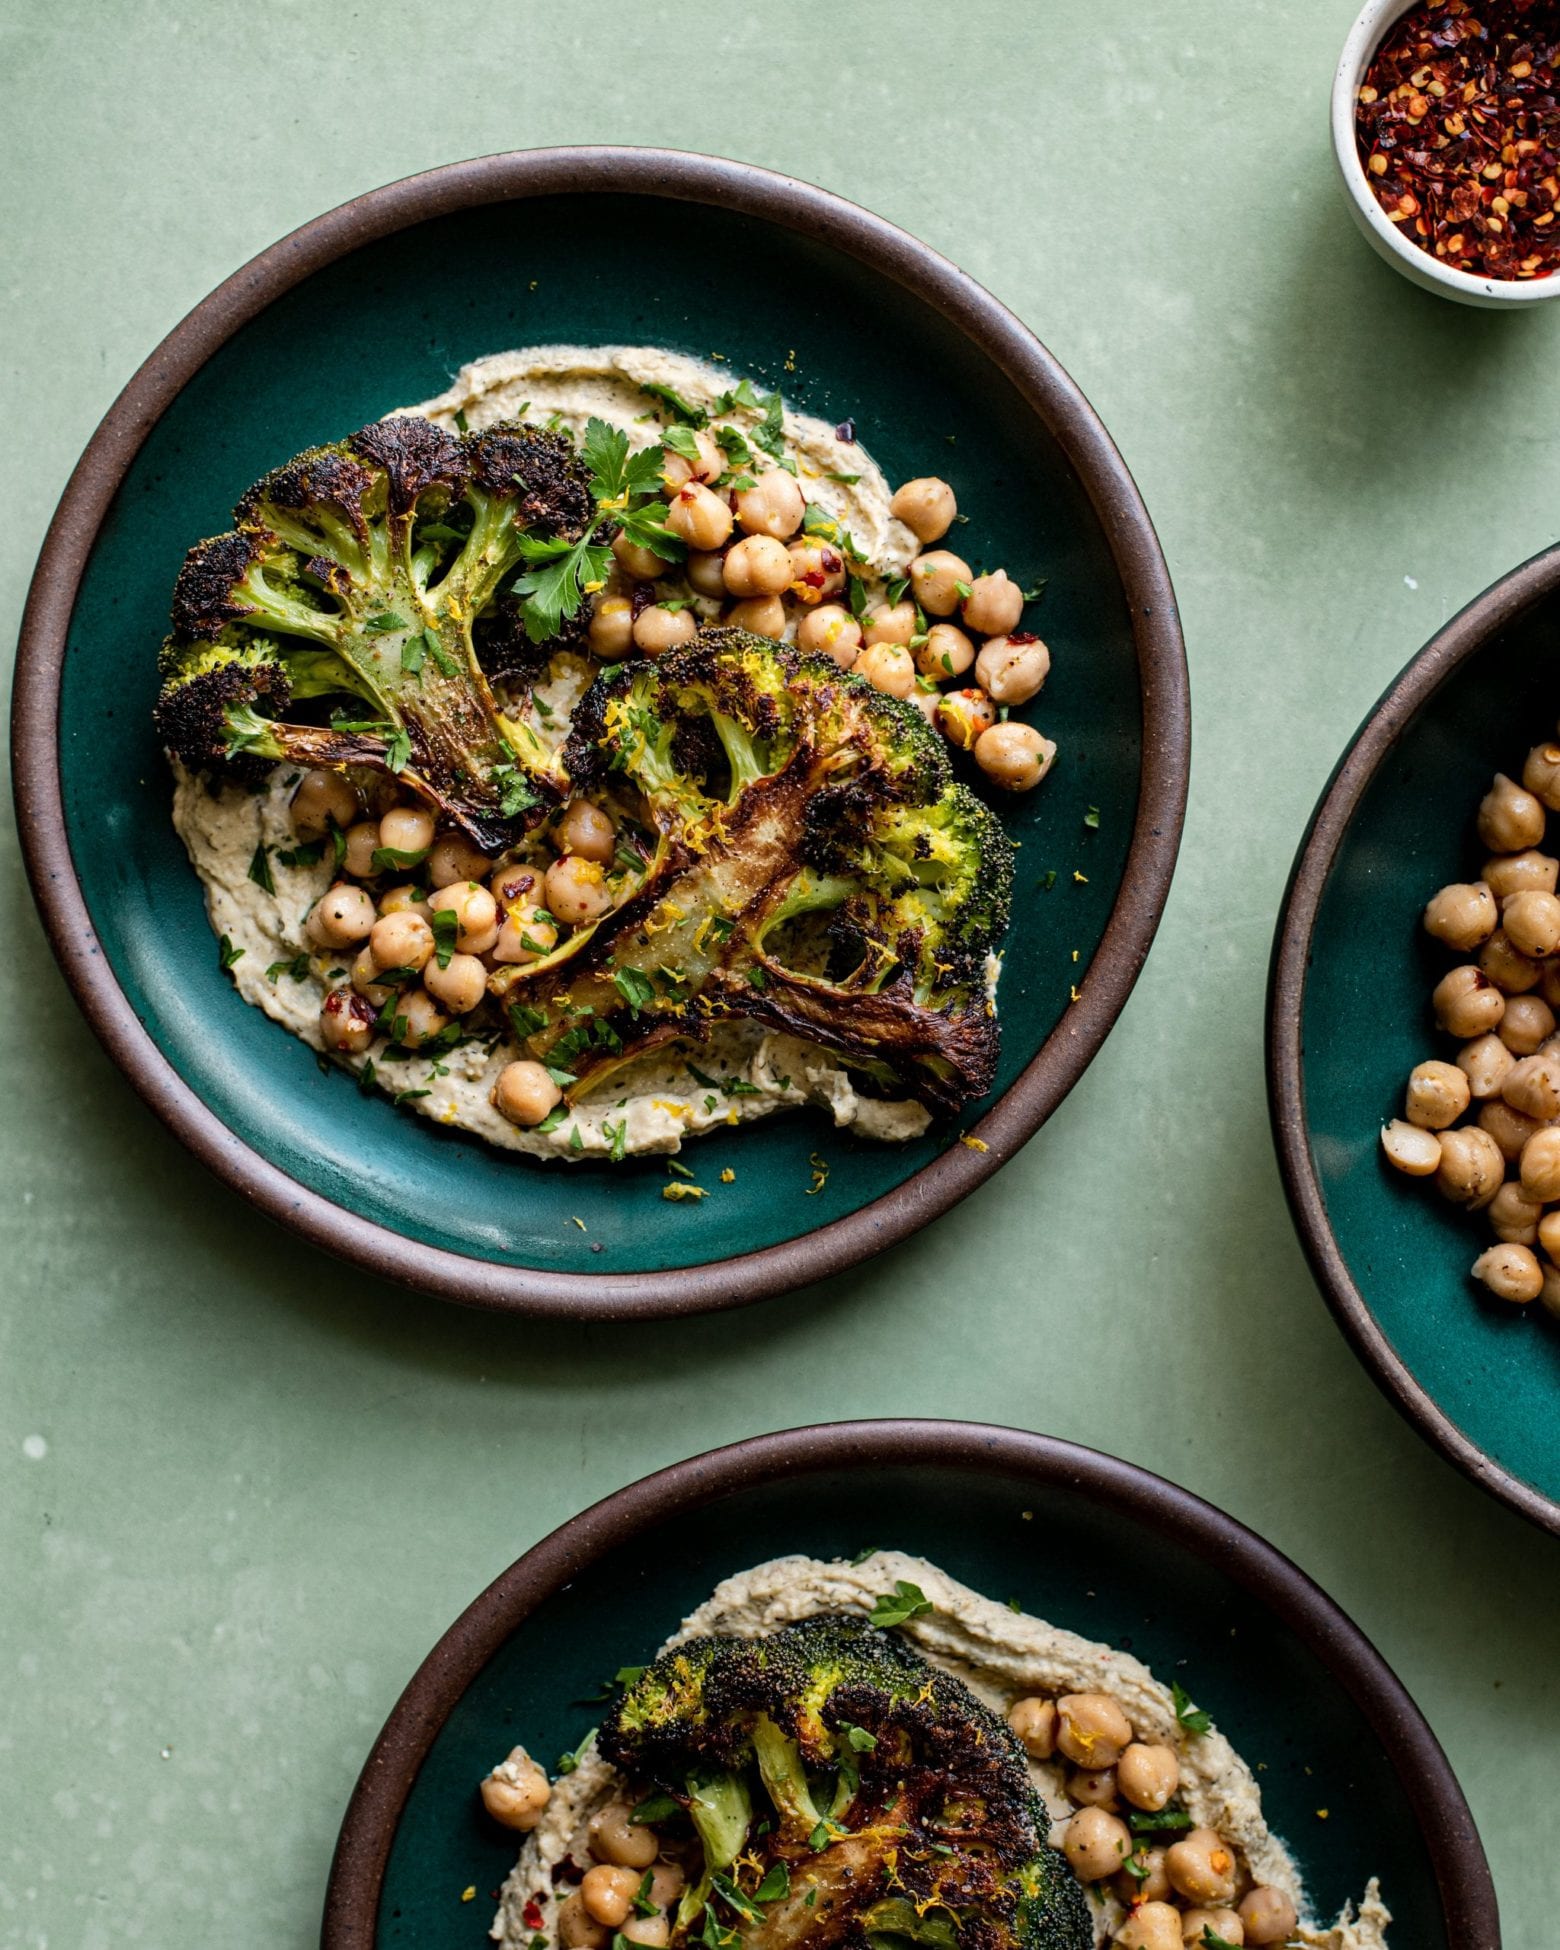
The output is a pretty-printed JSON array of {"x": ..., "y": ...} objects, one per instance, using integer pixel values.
[
  {"x": 375, "y": 570},
  {"x": 899, "y": 1805}
]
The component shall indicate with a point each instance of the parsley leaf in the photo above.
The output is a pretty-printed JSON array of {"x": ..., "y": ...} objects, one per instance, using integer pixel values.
[
  {"x": 1091, "y": 818},
  {"x": 859, "y": 1738},
  {"x": 1190, "y": 1717},
  {"x": 385, "y": 622},
  {"x": 398, "y": 750},
  {"x": 776, "y": 1883},
  {"x": 445, "y": 927},
  {"x": 770, "y": 435},
  {"x": 659, "y": 1807},
  {"x": 862, "y": 1556},
  {"x": 644, "y": 1903},
  {"x": 227, "y": 954},
  {"x": 260, "y": 870},
  {"x": 387, "y": 857},
  {"x": 297, "y": 968},
  {"x": 673, "y": 401},
  {"x": 1142, "y": 1823},
  {"x": 904, "y": 1602},
  {"x": 680, "y": 441},
  {"x": 618, "y": 1134},
  {"x": 635, "y": 987},
  {"x": 414, "y": 654},
  {"x": 554, "y": 582},
  {"x": 553, "y": 1119},
  {"x": 525, "y": 1020},
  {"x": 568, "y": 1762}
]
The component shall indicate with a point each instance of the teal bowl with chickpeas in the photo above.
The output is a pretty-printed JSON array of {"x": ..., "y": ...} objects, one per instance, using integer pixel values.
[
  {"x": 1414, "y": 1068},
  {"x": 862, "y": 332}
]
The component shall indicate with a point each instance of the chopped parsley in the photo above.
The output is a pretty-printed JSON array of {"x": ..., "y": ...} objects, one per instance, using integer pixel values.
[
  {"x": 776, "y": 1883},
  {"x": 227, "y": 954},
  {"x": 1091, "y": 818},
  {"x": 297, "y": 968},
  {"x": 904, "y": 1602},
  {"x": 659, "y": 1807},
  {"x": 386, "y": 621},
  {"x": 388, "y": 858},
  {"x": 568, "y": 1762},
  {"x": 1190, "y": 1717},
  {"x": 260, "y": 870},
  {"x": 675, "y": 404},
  {"x": 446, "y": 928},
  {"x": 635, "y": 987}
]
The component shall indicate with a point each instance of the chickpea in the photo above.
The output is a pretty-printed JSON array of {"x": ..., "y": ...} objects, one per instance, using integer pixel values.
[
  {"x": 926, "y": 506},
  {"x": 666, "y": 1884},
  {"x": 1513, "y": 1216},
  {"x": 1532, "y": 923},
  {"x": 608, "y": 1893},
  {"x": 706, "y": 572},
  {"x": 1201, "y": 1867},
  {"x": 1437, "y": 1095},
  {"x": 1533, "y": 1086},
  {"x": 364, "y": 976},
  {"x": 830, "y": 631},
  {"x": 586, "y": 830},
  {"x": 323, "y": 799},
  {"x": 774, "y": 505},
  {"x": 1549, "y": 1292},
  {"x": 476, "y": 915},
  {"x": 700, "y": 518},
  {"x": 963, "y": 717},
  {"x": 652, "y": 1931},
  {"x": 659, "y": 629},
  {"x": 405, "y": 899},
  {"x": 926, "y": 698},
  {"x": 1151, "y": 1926},
  {"x": 891, "y": 623},
  {"x": 362, "y": 844},
  {"x": 947, "y": 652},
  {"x": 406, "y": 829},
  {"x": 758, "y": 565},
  {"x": 514, "y": 886},
  {"x": 577, "y": 1928},
  {"x": 1521, "y": 873},
  {"x": 460, "y": 985},
  {"x": 1096, "y": 1844},
  {"x": 763, "y": 615},
  {"x": 939, "y": 580},
  {"x": 1462, "y": 915},
  {"x": 343, "y": 915},
  {"x": 1152, "y": 1885},
  {"x": 524, "y": 1093},
  {"x": 708, "y": 464},
  {"x": 1014, "y": 756},
  {"x": 347, "y": 1022},
  {"x": 1509, "y": 818},
  {"x": 1549, "y": 1234},
  {"x": 1267, "y": 1915},
  {"x": 1538, "y": 1168},
  {"x": 527, "y": 934},
  {"x": 643, "y": 564},
  {"x": 994, "y": 604},
  {"x": 1504, "y": 964},
  {"x": 1093, "y": 1787},
  {"x": 1091, "y": 1729},
  {"x": 402, "y": 940},
  {"x": 575, "y": 890},
  {"x": 1471, "y": 1167},
  {"x": 817, "y": 571},
  {"x": 1486, "y": 1063},
  {"x": 1013, "y": 668},
  {"x": 1510, "y": 1128},
  {"x": 418, "y": 1018},
  {"x": 1411, "y": 1149},
  {"x": 1148, "y": 1775},
  {"x": 516, "y": 1792},
  {"x": 887, "y": 667},
  {"x": 1527, "y": 1025},
  {"x": 611, "y": 632},
  {"x": 1510, "y": 1272},
  {"x": 1541, "y": 775},
  {"x": 614, "y": 1837},
  {"x": 453, "y": 859},
  {"x": 1223, "y": 1923},
  {"x": 1034, "y": 1721},
  {"x": 1549, "y": 983},
  {"x": 1467, "y": 1003}
]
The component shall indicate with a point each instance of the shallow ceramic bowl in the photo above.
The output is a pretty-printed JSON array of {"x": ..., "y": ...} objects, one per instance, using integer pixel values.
[
  {"x": 1387, "y": 239},
  {"x": 341, "y": 322},
  {"x": 1077, "y": 1537},
  {"x": 1349, "y": 1017}
]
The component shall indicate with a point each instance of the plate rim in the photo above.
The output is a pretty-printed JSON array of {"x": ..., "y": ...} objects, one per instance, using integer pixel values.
[
  {"x": 996, "y": 332},
  {"x": 1465, "y": 1886},
  {"x": 1458, "y": 640}
]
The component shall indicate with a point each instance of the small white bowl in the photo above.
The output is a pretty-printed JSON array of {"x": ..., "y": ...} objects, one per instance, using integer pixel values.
[{"x": 1386, "y": 239}]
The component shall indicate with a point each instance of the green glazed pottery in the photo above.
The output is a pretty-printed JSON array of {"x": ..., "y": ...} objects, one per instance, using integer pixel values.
[
  {"x": 1349, "y": 1016},
  {"x": 1093, "y": 1544},
  {"x": 376, "y": 305}
]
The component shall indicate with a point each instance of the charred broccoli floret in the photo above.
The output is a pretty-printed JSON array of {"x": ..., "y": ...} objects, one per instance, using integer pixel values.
[
  {"x": 818, "y": 871},
  {"x": 363, "y": 571},
  {"x": 844, "y": 1792}
]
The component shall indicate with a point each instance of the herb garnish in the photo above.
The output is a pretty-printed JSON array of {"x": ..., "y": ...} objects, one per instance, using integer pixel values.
[
  {"x": 260, "y": 870},
  {"x": 1190, "y": 1717},
  {"x": 904, "y": 1602}
]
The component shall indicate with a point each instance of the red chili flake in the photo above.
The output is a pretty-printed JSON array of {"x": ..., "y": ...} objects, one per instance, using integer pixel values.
[
  {"x": 832, "y": 562},
  {"x": 531, "y": 1915},
  {"x": 1458, "y": 126},
  {"x": 1022, "y": 636}
]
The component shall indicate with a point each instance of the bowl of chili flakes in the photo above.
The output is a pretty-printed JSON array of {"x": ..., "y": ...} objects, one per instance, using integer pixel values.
[{"x": 1446, "y": 131}]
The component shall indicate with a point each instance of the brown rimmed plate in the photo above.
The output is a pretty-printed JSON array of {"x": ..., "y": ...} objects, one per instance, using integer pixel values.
[
  {"x": 1093, "y": 1543},
  {"x": 339, "y": 323}
]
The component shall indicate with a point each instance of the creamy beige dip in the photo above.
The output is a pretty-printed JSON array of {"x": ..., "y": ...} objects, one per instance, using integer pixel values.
[
  {"x": 655, "y": 1104},
  {"x": 1001, "y": 1655}
]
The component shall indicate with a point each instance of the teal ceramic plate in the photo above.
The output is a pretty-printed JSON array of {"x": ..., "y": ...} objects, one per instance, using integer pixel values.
[
  {"x": 341, "y": 322},
  {"x": 1095, "y": 1544},
  {"x": 1349, "y": 1017}
]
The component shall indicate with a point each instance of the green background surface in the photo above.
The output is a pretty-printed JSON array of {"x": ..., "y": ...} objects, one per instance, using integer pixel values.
[{"x": 242, "y": 1489}]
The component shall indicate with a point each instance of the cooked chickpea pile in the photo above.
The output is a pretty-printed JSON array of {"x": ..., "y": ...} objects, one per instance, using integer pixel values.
[
  {"x": 1174, "y": 1883},
  {"x": 1486, "y": 1125},
  {"x": 417, "y": 955},
  {"x": 751, "y": 563}
]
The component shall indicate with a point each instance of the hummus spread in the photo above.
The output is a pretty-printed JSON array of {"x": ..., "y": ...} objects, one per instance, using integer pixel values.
[{"x": 1001, "y": 1655}]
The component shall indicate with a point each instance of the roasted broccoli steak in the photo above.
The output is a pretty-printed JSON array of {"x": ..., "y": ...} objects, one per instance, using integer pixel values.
[
  {"x": 844, "y": 1792},
  {"x": 372, "y": 572},
  {"x": 815, "y": 869}
]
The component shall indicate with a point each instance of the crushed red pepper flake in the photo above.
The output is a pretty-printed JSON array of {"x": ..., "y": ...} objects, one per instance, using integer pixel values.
[{"x": 1458, "y": 126}]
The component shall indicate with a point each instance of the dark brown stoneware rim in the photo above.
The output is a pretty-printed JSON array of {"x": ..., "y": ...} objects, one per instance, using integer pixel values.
[
  {"x": 368, "y": 1831},
  {"x": 797, "y": 206},
  {"x": 1467, "y": 633}
]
